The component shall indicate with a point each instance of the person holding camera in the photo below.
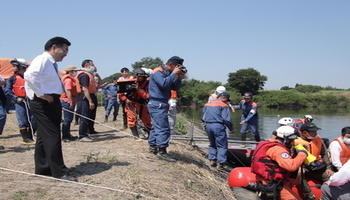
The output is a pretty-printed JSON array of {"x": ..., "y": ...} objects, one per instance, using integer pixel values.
[
  {"x": 163, "y": 79},
  {"x": 125, "y": 77},
  {"x": 15, "y": 89},
  {"x": 136, "y": 99}
]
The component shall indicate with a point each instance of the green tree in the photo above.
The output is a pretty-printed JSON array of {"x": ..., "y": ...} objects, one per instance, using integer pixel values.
[
  {"x": 247, "y": 80},
  {"x": 148, "y": 62}
]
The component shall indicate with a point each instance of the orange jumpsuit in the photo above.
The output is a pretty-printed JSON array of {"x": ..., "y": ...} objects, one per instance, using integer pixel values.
[
  {"x": 285, "y": 161},
  {"x": 137, "y": 105}
]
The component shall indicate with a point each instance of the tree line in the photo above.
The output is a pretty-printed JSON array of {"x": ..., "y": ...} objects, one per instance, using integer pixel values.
[{"x": 195, "y": 92}]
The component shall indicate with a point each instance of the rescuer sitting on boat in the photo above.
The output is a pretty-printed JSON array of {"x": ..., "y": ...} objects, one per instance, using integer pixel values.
[{"x": 273, "y": 164}]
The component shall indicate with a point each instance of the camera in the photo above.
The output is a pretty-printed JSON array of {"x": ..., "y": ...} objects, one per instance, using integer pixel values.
[
  {"x": 126, "y": 86},
  {"x": 183, "y": 69}
]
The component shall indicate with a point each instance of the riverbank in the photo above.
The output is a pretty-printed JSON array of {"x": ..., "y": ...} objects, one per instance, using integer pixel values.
[{"x": 114, "y": 166}]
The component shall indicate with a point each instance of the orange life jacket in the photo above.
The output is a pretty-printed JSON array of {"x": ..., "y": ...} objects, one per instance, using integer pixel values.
[
  {"x": 173, "y": 94},
  {"x": 74, "y": 90},
  {"x": 18, "y": 87},
  {"x": 92, "y": 83},
  {"x": 314, "y": 146},
  {"x": 264, "y": 166},
  {"x": 345, "y": 152}
]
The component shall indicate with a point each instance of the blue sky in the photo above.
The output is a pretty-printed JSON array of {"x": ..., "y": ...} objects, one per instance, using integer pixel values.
[{"x": 305, "y": 42}]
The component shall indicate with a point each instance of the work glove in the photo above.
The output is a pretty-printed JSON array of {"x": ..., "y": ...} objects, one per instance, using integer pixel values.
[{"x": 301, "y": 150}]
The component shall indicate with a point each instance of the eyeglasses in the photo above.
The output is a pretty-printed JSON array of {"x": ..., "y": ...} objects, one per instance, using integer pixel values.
[{"x": 64, "y": 49}]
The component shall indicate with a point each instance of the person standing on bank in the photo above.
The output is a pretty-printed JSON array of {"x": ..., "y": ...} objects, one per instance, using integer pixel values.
[
  {"x": 163, "y": 79},
  {"x": 125, "y": 77},
  {"x": 216, "y": 117},
  {"x": 68, "y": 101},
  {"x": 15, "y": 89},
  {"x": 86, "y": 101},
  {"x": 112, "y": 101},
  {"x": 43, "y": 86},
  {"x": 249, "y": 116}
]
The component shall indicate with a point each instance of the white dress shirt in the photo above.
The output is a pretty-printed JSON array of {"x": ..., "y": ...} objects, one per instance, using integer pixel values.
[
  {"x": 342, "y": 176},
  {"x": 41, "y": 77},
  {"x": 334, "y": 150}
]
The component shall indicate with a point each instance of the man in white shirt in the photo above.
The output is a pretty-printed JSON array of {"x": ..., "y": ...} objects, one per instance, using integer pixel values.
[
  {"x": 43, "y": 87},
  {"x": 2, "y": 107},
  {"x": 339, "y": 149},
  {"x": 338, "y": 186}
]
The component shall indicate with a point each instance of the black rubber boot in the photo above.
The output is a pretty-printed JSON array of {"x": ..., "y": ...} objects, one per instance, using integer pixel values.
[
  {"x": 135, "y": 133},
  {"x": 257, "y": 138},
  {"x": 106, "y": 119},
  {"x": 115, "y": 118},
  {"x": 153, "y": 149},
  {"x": 27, "y": 139},
  {"x": 243, "y": 137},
  {"x": 162, "y": 154}
]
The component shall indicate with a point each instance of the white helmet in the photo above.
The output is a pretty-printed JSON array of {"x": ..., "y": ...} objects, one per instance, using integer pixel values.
[
  {"x": 308, "y": 117},
  {"x": 220, "y": 89},
  {"x": 286, "y": 132},
  {"x": 19, "y": 62},
  {"x": 147, "y": 71},
  {"x": 286, "y": 121}
]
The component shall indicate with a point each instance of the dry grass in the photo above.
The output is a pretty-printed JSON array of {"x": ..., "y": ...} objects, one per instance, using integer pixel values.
[{"x": 113, "y": 167}]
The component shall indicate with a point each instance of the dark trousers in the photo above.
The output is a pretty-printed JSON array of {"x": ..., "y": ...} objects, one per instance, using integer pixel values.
[
  {"x": 86, "y": 125},
  {"x": 48, "y": 148}
]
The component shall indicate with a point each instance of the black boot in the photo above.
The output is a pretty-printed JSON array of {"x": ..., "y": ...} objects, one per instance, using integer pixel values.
[
  {"x": 135, "y": 133},
  {"x": 115, "y": 118},
  {"x": 243, "y": 138},
  {"x": 162, "y": 154},
  {"x": 27, "y": 137},
  {"x": 106, "y": 119},
  {"x": 125, "y": 122},
  {"x": 153, "y": 149},
  {"x": 257, "y": 138}
]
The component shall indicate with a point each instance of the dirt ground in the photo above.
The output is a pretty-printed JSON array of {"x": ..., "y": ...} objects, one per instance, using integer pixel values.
[{"x": 114, "y": 166}]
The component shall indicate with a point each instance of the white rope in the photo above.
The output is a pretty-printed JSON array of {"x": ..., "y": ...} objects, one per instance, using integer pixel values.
[{"x": 78, "y": 183}]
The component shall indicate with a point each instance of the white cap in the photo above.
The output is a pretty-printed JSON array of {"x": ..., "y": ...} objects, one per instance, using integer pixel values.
[{"x": 220, "y": 89}]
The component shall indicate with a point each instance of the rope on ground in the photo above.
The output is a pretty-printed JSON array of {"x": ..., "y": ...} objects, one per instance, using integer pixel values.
[
  {"x": 73, "y": 182},
  {"x": 117, "y": 130}
]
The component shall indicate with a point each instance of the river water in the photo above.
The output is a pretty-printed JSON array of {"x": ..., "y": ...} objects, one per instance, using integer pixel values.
[{"x": 331, "y": 121}]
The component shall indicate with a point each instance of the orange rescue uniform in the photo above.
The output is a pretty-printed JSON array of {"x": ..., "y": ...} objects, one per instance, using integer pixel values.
[{"x": 284, "y": 160}]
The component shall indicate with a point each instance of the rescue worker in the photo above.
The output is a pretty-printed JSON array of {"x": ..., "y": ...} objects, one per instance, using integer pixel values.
[
  {"x": 299, "y": 122},
  {"x": 136, "y": 103},
  {"x": 112, "y": 99},
  {"x": 163, "y": 79},
  {"x": 172, "y": 111},
  {"x": 249, "y": 116},
  {"x": 125, "y": 77},
  {"x": 339, "y": 149},
  {"x": 338, "y": 186},
  {"x": 320, "y": 169},
  {"x": 15, "y": 89},
  {"x": 216, "y": 117},
  {"x": 215, "y": 95},
  {"x": 69, "y": 101},
  {"x": 272, "y": 163},
  {"x": 86, "y": 101}
]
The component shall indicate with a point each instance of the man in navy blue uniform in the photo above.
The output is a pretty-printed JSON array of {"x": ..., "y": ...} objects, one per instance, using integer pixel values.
[
  {"x": 216, "y": 116},
  {"x": 163, "y": 79},
  {"x": 111, "y": 92}
]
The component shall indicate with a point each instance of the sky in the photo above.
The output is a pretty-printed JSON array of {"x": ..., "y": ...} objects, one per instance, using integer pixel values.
[{"x": 304, "y": 42}]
